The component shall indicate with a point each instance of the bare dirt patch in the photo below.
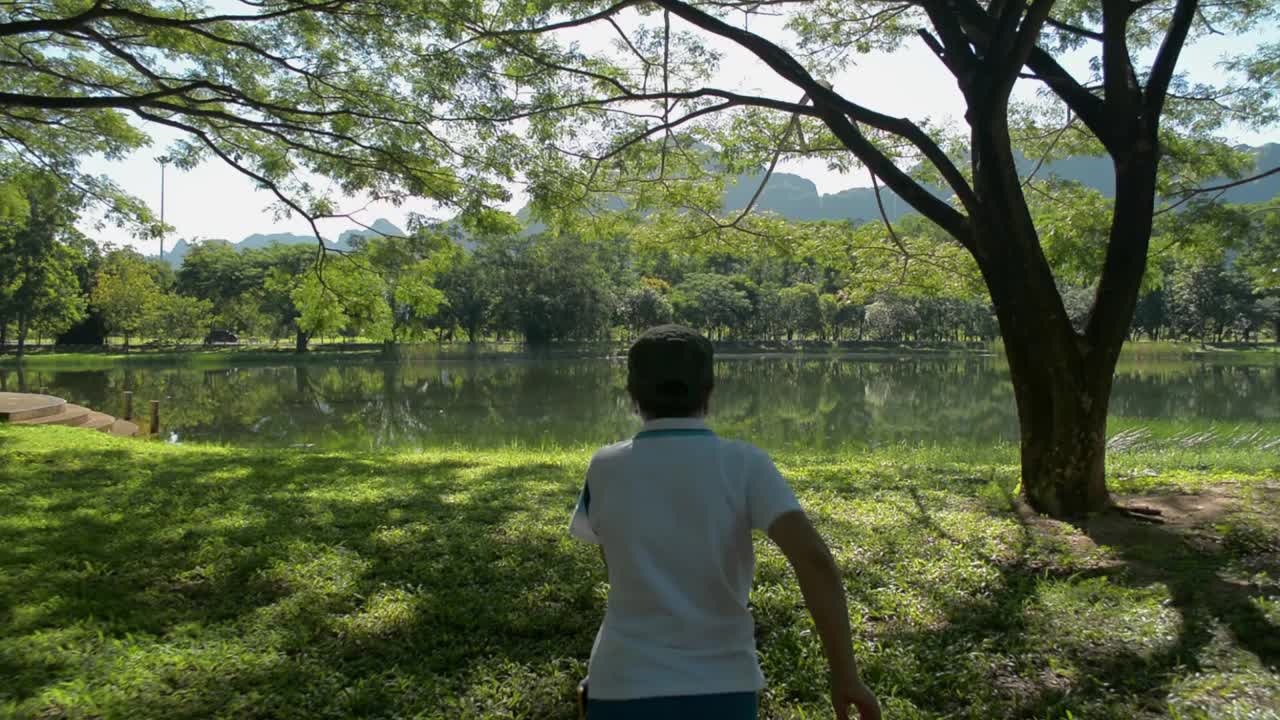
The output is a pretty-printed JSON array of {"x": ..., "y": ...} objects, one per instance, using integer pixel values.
[
  {"x": 1217, "y": 551},
  {"x": 1195, "y": 518}
]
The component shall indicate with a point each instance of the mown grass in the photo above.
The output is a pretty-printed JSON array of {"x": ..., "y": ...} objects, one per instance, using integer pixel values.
[
  {"x": 1264, "y": 351},
  {"x": 248, "y": 355},
  {"x": 1150, "y": 355},
  {"x": 1170, "y": 348},
  {"x": 142, "y": 580},
  {"x": 194, "y": 356}
]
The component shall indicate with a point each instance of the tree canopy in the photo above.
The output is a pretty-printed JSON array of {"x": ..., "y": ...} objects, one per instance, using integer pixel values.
[
  {"x": 288, "y": 92},
  {"x": 125, "y": 292},
  {"x": 42, "y": 251}
]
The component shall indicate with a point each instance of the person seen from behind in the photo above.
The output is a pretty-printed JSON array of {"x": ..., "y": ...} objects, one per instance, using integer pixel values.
[{"x": 672, "y": 510}]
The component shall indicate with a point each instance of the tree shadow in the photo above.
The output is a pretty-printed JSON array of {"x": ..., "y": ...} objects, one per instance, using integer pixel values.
[
  {"x": 1195, "y": 571},
  {"x": 157, "y": 584},
  {"x": 289, "y": 585},
  {"x": 1015, "y": 673}
]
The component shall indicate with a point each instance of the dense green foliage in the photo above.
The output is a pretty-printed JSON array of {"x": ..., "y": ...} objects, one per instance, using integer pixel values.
[
  {"x": 41, "y": 257},
  {"x": 282, "y": 91},
  {"x": 547, "y": 288},
  {"x": 382, "y": 291},
  {"x": 433, "y": 118},
  {"x": 155, "y": 581},
  {"x": 126, "y": 295}
]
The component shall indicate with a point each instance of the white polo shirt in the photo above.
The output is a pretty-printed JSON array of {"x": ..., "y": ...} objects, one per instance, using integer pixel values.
[{"x": 674, "y": 508}]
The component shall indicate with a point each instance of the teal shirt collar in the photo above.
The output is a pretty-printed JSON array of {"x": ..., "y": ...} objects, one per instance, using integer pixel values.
[{"x": 674, "y": 427}]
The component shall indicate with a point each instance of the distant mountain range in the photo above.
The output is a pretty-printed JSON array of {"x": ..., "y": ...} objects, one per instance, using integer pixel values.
[
  {"x": 797, "y": 198},
  {"x": 257, "y": 241}
]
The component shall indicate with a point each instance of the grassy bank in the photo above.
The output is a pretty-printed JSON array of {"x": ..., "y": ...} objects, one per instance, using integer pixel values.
[
  {"x": 140, "y": 580},
  {"x": 200, "y": 356},
  {"x": 89, "y": 358},
  {"x": 195, "y": 356}
]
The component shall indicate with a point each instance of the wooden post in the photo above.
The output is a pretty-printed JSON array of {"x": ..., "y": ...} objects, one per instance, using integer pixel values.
[
  {"x": 155, "y": 417},
  {"x": 128, "y": 404}
]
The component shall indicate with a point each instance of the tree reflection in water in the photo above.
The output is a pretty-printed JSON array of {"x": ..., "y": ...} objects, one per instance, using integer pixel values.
[{"x": 815, "y": 402}]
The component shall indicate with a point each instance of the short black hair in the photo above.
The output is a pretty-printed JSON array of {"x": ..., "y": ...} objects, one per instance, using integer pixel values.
[{"x": 670, "y": 372}]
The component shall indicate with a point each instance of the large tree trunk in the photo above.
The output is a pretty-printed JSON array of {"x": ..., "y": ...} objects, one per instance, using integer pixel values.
[
  {"x": 300, "y": 341},
  {"x": 1061, "y": 377},
  {"x": 1062, "y": 419},
  {"x": 1062, "y": 392}
]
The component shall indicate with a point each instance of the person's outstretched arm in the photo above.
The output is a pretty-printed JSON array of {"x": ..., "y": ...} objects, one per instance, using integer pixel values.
[{"x": 824, "y": 595}]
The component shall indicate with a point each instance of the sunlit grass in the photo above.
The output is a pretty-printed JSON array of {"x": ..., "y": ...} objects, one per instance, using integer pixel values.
[
  {"x": 190, "y": 357},
  {"x": 142, "y": 580}
]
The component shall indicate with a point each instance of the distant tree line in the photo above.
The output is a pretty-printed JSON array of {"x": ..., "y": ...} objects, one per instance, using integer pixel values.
[
  {"x": 544, "y": 289},
  {"x": 547, "y": 288}
]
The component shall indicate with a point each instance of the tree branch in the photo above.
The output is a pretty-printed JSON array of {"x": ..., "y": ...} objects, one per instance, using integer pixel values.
[
  {"x": 1119, "y": 81},
  {"x": 1228, "y": 185},
  {"x": 1057, "y": 136},
  {"x": 71, "y": 102},
  {"x": 884, "y": 216},
  {"x": 1073, "y": 29},
  {"x": 1025, "y": 40},
  {"x": 792, "y": 125},
  {"x": 1167, "y": 58},
  {"x": 605, "y": 14},
  {"x": 23, "y": 27},
  {"x": 956, "y": 52},
  {"x": 100, "y": 11},
  {"x": 666, "y": 126},
  {"x": 1087, "y": 106},
  {"x": 837, "y": 112}
]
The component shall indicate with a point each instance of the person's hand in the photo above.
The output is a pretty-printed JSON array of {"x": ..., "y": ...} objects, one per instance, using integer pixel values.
[{"x": 849, "y": 690}]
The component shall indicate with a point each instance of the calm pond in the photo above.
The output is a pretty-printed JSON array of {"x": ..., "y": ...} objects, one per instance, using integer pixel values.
[{"x": 779, "y": 401}]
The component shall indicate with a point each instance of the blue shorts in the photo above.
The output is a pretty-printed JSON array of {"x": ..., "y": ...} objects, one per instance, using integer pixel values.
[{"x": 726, "y": 706}]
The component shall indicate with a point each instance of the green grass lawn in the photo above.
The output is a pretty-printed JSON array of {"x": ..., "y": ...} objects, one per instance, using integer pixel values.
[
  {"x": 141, "y": 580},
  {"x": 199, "y": 355},
  {"x": 191, "y": 356}
]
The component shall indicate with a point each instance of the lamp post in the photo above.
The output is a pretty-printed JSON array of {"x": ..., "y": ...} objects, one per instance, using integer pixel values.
[{"x": 163, "y": 160}]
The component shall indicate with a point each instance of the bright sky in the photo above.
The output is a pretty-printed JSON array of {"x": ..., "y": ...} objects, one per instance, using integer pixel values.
[{"x": 214, "y": 201}]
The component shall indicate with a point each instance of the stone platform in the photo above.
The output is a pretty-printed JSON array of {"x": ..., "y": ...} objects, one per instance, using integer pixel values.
[{"x": 36, "y": 409}]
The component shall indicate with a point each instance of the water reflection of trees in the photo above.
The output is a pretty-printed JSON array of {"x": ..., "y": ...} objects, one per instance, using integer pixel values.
[
  {"x": 817, "y": 403},
  {"x": 1221, "y": 392},
  {"x": 828, "y": 403}
]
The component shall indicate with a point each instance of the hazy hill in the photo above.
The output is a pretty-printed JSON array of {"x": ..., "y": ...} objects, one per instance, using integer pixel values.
[
  {"x": 797, "y": 198},
  {"x": 257, "y": 241}
]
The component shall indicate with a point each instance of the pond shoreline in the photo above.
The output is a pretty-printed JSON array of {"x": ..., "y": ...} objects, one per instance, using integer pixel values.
[
  {"x": 823, "y": 399},
  {"x": 94, "y": 356}
]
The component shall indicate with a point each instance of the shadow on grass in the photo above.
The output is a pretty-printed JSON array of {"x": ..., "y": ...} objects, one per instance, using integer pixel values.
[
  {"x": 290, "y": 585},
  {"x": 145, "y": 582},
  {"x": 1055, "y": 639},
  {"x": 1194, "y": 570}
]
